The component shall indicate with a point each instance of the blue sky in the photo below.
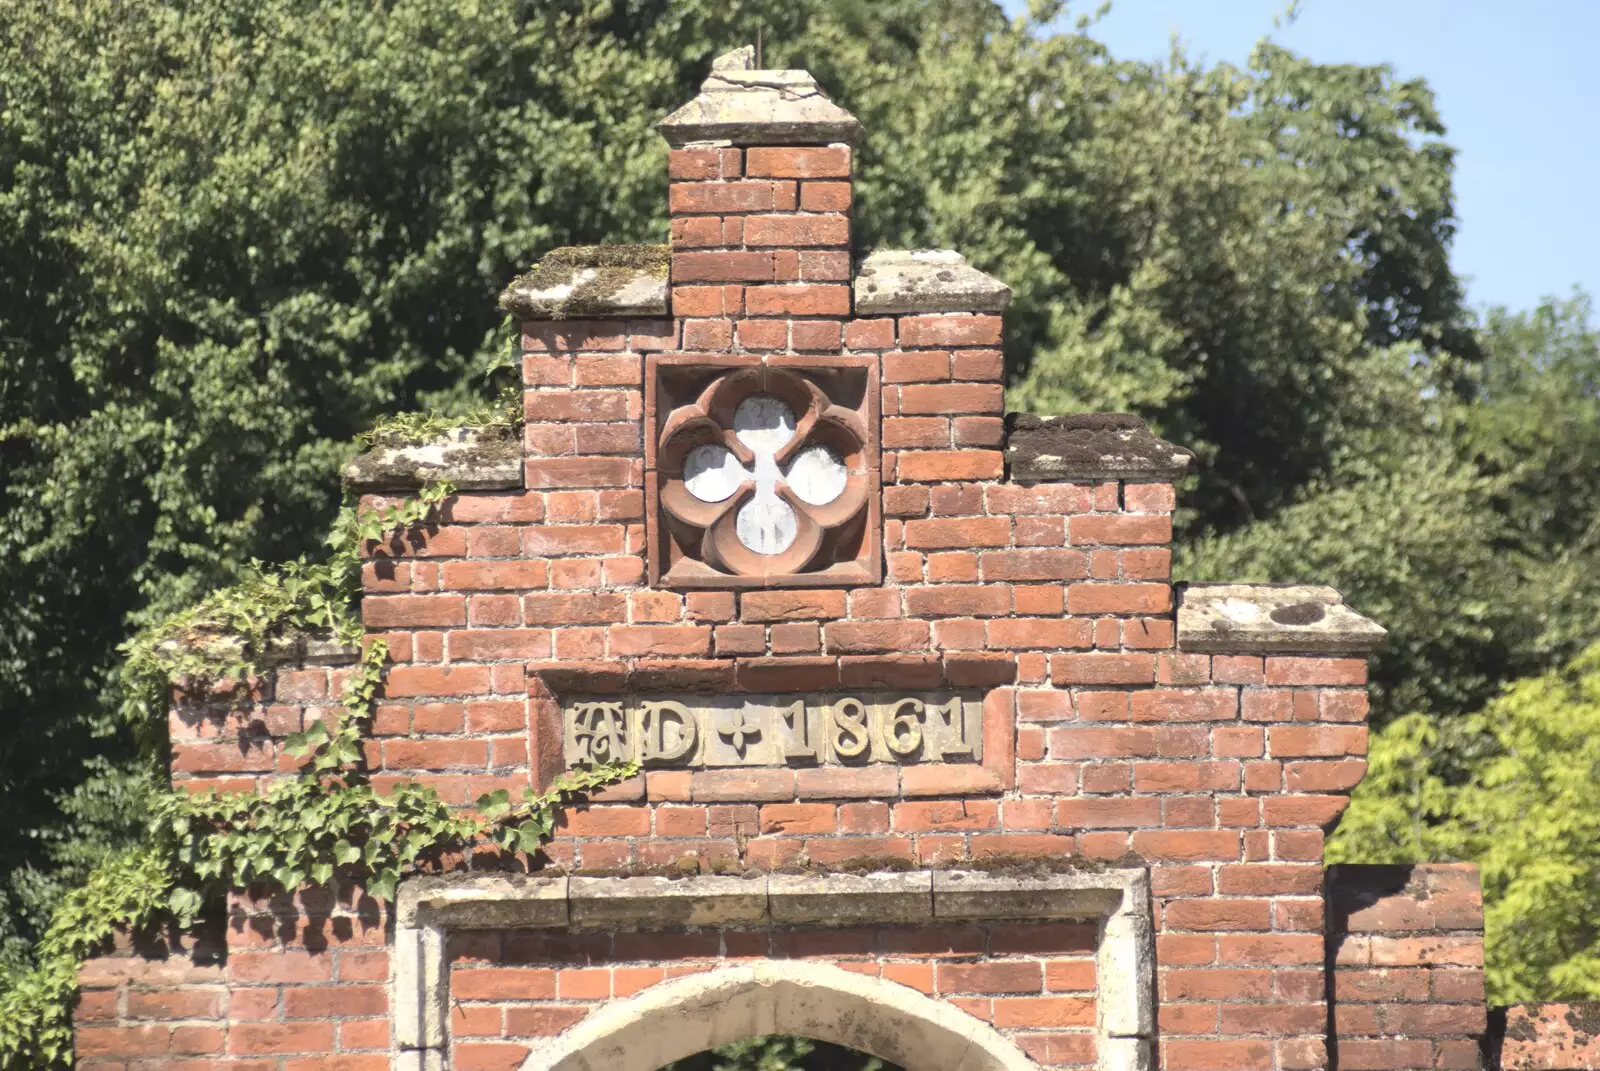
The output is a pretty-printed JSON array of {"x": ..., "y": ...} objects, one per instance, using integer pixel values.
[{"x": 1518, "y": 85}]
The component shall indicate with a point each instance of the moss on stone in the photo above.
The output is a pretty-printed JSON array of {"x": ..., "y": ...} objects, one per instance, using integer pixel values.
[{"x": 611, "y": 269}]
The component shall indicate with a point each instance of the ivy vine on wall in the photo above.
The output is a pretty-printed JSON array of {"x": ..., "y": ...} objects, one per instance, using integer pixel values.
[{"x": 325, "y": 821}]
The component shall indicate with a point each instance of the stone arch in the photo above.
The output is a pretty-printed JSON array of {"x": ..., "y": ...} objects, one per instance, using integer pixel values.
[{"x": 683, "y": 1016}]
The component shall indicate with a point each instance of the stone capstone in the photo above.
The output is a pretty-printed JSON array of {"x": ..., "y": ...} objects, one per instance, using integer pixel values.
[
  {"x": 473, "y": 459},
  {"x": 895, "y": 281},
  {"x": 1263, "y": 618},
  {"x": 592, "y": 281},
  {"x": 743, "y": 106},
  {"x": 1089, "y": 446}
]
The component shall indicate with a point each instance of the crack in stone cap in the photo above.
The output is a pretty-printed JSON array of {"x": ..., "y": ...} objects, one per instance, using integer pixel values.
[
  {"x": 742, "y": 106},
  {"x": 1271, "y": 618},
  {"x": 893, "y": 281},
  {"x": 1082, "y": 446}
]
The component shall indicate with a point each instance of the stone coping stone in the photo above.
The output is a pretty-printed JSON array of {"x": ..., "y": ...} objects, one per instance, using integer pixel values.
[
  {"x": 1089, "y": 446},
  {"x": 291, "y": 649},
  {"x": 1270, "y": 619},
  {"x": 473, "y": 459},
  {"x": 495, "y": 901},
  {"x": 964, "y": 894},
  {"x": 485, "y": 901},
  {"x": 894, "y": 281},
  {"x": 739, "y": 105},
  {"x": 594, "y": 282},
  {"x": 665, "y": 903},
  {"x": 844, "y": 899}
]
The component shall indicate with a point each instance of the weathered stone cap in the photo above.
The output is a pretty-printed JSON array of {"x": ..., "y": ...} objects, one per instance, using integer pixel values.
[
  {"x": 743, "y": 106},
  {"x": 1270, "y": 618},
  {"x": 1084, "y": 446},
  {"x": 474, "y": 459},
  {"x": 925, "y": 280},
  {"x": 592, "y": 281}
]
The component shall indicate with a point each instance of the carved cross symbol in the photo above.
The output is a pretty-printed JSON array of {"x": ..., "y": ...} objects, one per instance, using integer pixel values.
[
  {"x": 766, "y": 524},
  {"x": 735, "y": 726}
]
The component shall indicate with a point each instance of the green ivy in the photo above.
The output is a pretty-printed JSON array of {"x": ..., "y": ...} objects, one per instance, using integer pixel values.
[{"x": 324, "y": 823}]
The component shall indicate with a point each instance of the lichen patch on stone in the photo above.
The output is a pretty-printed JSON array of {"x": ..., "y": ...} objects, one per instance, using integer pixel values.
[
  {"x": 1089, "y": 446},
  {"x": 594, "y": 281},
  {"x": 485, "y": 458}
]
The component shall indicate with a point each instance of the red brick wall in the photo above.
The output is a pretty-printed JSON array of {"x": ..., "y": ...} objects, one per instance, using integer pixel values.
[
  {"x": 1034, "y": 982},
  {"x": 1406, "y": 943},
  {"x": 1220, "y": 773}
]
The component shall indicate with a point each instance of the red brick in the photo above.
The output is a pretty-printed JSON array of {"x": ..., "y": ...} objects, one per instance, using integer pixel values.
[
  {"x": 877, "y": 334},
  {"x": 833, "y": 782},
  {"x": 1103, "y": 669},
  {"x": 1317, "y": 741},
  {"x": 1205, "y": 1055},
  {"x": 1118, "y": 598},
  {"x": 798, "y": 818},
  {"x": 958, "y": 601},
  {"x": 1232, "y": 914},
  {"x": 1039, "y": 632},
  {"x": 825, "y": 196},
  {"x": 717, "y": 198},
  {"x": 1119, "y": 530},
  {"x": 1043, "y": 1011},
  {"x": 580, "y": 472},
  {"x": 1033, "y": 565},
  {"x": 814, "y": 335},
  {"x": 251, "y": 1039},
  {"x": 411, "y": 611},
  {"x": 931, "y": 466},
  {"x": 703, "y": 163},
  {"x": 794, "y": 231},
  {"x": 808, "y": 162},
  {"x": 1188, "y": 845},
  {"x": 534, "y": 1020},
  {"x": 760, "y": 606},
  {"x": 944, "y": 815},
  {"x": 722, "y": 267},
  {"x": 1286, "y": 670},
  {"x": 1185, "y": 705},
  {"x": 950, "y": 330},
  {"x": 800, "y": 299},
  {"x": 754, "y": 784},
  {"x": 1002, "y": 977},
  {"x": 945, "y": 398},
  {"x": 867, "y": 637},
  {"x": 1108, "y": 813},
  {"x": 918, "y": 366},
  {"x": 944, "y": 534},
  {"x": 659, "y": 641}
]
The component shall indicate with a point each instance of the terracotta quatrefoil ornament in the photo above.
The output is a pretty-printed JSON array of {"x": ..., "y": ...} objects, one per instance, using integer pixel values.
[{"x": 763, "y": 473}]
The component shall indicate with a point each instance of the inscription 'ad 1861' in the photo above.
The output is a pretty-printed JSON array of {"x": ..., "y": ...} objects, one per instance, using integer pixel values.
[{"x": 774, "y": 730}]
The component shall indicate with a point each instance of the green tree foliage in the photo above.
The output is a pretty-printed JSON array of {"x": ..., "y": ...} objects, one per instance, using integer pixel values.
[
  {"x": 1464, "y": 516},
  {"x": 234, "y": 231},
  {"x": 781, "y": 1052},
  {"x": 1525, "y": 808}
]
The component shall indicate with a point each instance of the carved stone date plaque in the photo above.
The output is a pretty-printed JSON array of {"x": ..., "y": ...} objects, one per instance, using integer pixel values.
[{"x": 775, "y": 730}]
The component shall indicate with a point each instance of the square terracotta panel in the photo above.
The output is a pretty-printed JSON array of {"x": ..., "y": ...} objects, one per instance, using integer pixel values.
[{"x": 762, "y": 472}]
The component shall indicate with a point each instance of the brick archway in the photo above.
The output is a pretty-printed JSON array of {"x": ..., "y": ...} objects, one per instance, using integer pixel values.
[{"x": 683, "y": 1016}]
